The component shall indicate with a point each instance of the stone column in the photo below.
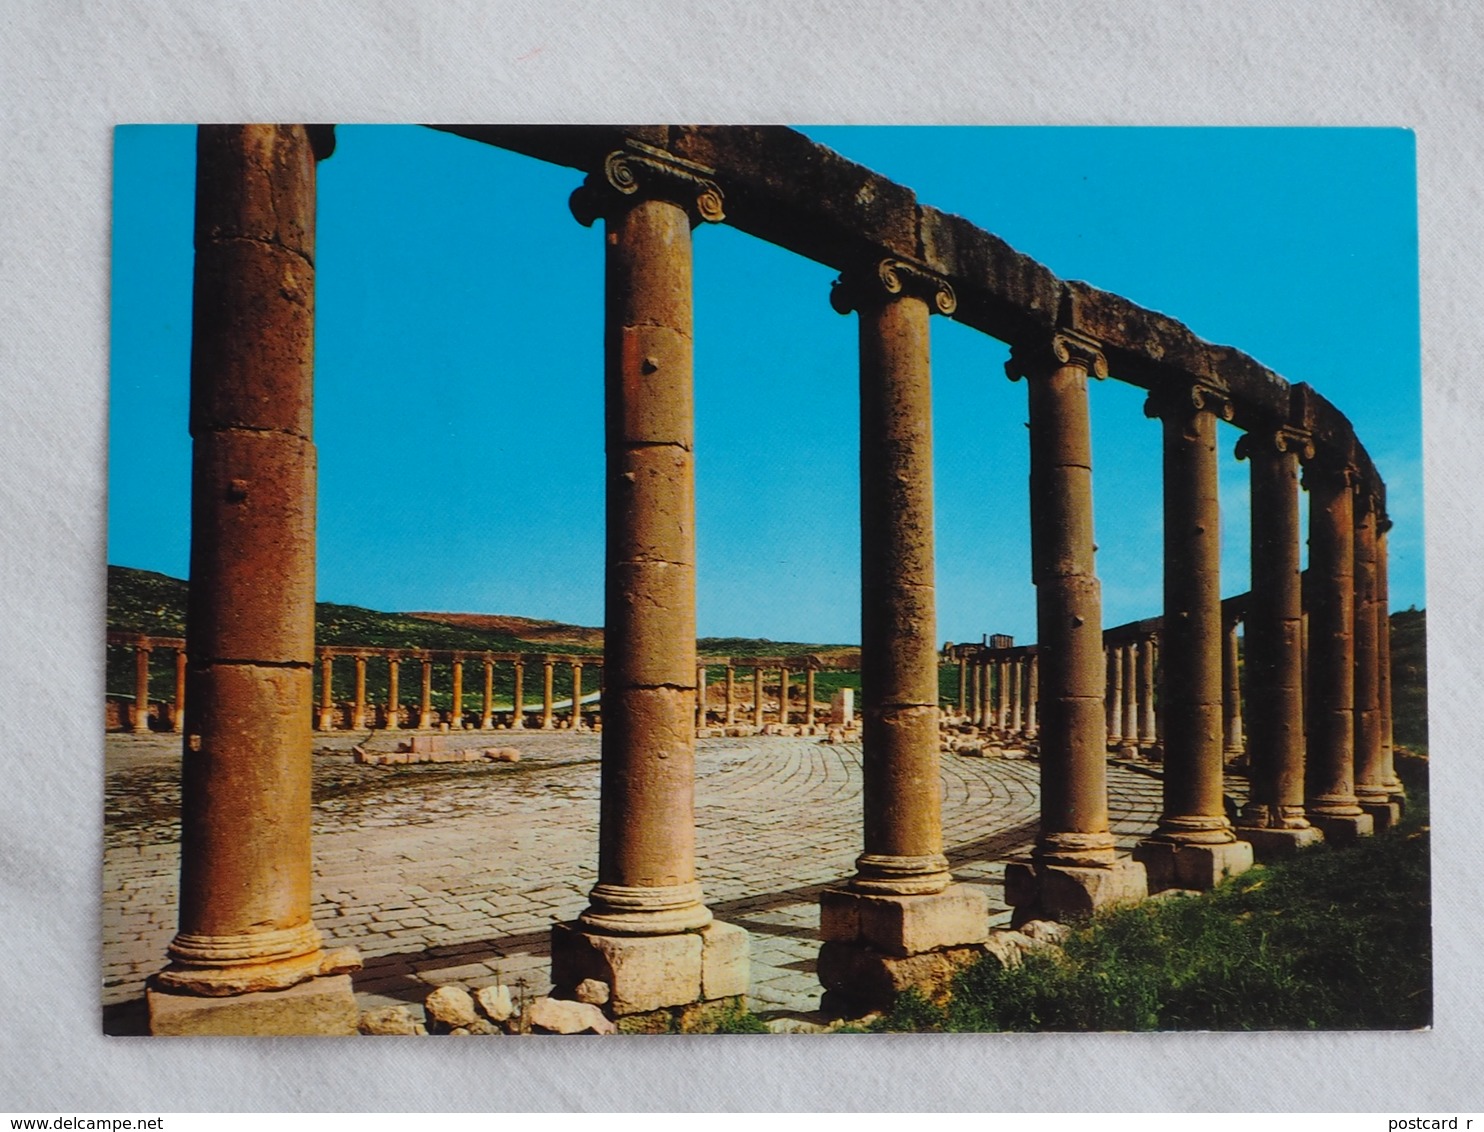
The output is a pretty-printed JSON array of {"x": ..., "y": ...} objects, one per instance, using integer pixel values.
[
  {"x": 487, "y": 704},
  {"x": 177, "y": 711},
  {"x": 1148, "y": 732},
  {"x": 757, "y": 697},
  {"x": 1002, "y": 696},
  {"x": 576, "y": 695},
  {"x": 983, "y": 715},
  {"x": 1383, "y": 625},
  {"x": 1193, "y": 846},
  {"x": 326, "y": 693},
  {"x": 963, "y": 686},
  {"x": 783, "y": 695},
  {"x": 393, "y": 693},
  {"x": 358, "y": 710},
  {"x": 1371, "y": 788},
  {"x": 902, "y": 900},
  {"x": 1016, "y": 711},
  {"x": 809, "y": 696},
  {"x": 1330, "y": 798},
  {"x": 425, "y": 706},
  {"x": 1074, "y": 867},
  {"x": 1273, "y": 819},
  {"x": 1032, "y": 697},
  {"x": 245, "y": 880},
  {"x": 518, "y": 697},
  {"x": 1115, "y": 695},
  {"x": 647, "y": 932},
  {"x": 1130, "y": 744},
  {"x": 731, "y": 696},
  {"x": 141, "y": 689},
  {"x": 547, "y": 667},
  {"x": 1233, "y": 744},
  {"x": 456, "y": 713},
  {"x": 700, "y": 696}
]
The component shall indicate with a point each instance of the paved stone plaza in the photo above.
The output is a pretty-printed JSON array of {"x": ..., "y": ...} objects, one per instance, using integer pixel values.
[{"x": 455, "y": 872}]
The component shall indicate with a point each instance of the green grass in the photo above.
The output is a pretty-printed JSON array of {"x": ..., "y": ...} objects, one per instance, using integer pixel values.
[{"x": 1332, "y": 939}]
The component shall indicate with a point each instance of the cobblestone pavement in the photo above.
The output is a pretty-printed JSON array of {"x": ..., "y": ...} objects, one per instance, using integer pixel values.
[{"x": 455, "y": 872}]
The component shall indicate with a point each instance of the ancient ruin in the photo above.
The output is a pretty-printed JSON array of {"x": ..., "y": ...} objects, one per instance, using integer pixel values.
[{"x": 1316, "y": 732}]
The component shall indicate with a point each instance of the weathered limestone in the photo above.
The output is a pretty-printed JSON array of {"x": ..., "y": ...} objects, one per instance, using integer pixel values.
[
  {"x": 1017, "y": 722},
  {"x": 842, "y": 707},
  {"x": 1329, "y": 792},
  {"x": 1148, "y": 731},
  {"x": 1193, "y": 846},
  {"x": 901, "y": 898},
  {"x": 547, "y": 702},
  {"x": 1233, "y": 744},
  {"x": 245, "y": 785},
  {"x": 1002, "y": 696},
  {"x": 1032, "y": 697},
  {"x": 576, "y": 722},
  {"x": 327, "y": 693},
  {"x": 358, "y": 708},
  {"x": 757, "y": 697},
  {"x": 1115, "y": 695},
  {"x": 1371, "y": 789},
  {"x": 646, "y": 926},
  {"x": 1383, "y": 625},
  {"x": 809, "y": 696},
  {"x": 487, "y": 703},
  {"x": 1074, "y": 867},
  {"x": 963, "y": 686},
  {"x": 177, "y": 708},
  {"x": 393, "y": 693},
  {"x": 783, "y": 695},
  {"x": 425, "y": 705},
  {"x": 731, "y": 716},
  {"x": 1273, "y": 820},
  {"x": 700, "y": 696},
  {"x": 456, "y": 717},
  {"x": 141, "y": 689},
  {"x": 518, "y": 697},
  {"x": 1130, "y": 742}
]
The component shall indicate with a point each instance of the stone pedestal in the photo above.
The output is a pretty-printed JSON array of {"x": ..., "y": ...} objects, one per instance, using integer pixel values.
[
  {"x": 653, "y": 972},
  {"x": 1039, "y": 891},
  {"x": 1275, "y": 844},
  {"x": 1342, "y": 829},
  {"x": 1383, "y": 815},
  {"x": 1176, "y": 865},
  {"x": 324, "y": 1007}
]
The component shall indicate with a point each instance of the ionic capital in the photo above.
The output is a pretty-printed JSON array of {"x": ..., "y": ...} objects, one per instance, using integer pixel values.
[
  {"x": 1064, "y": 348},
  {"x": 641, "y": 172},
  {"x": 892, "y": 279},
  {"x": 1276, "y": 441},
  {"x": 1337, "y": 474},
  {"x": 1185, "y": 401}
]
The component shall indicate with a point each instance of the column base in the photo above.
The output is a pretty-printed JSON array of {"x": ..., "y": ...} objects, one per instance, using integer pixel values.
[
  {"x": 1171, "y": 864},
  {"x": 858, "y": 979},
  {"x": 1343, "y": 829},
  {"x": 652, "y": 972},
  {"x": 1384, "y": 815},
  {"x": 324, "y": 1006},
  {"x": 1038, "y": 891},
  {"x": 1275, "y": 844}
]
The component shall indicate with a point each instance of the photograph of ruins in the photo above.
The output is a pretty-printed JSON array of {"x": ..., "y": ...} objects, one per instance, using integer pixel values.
[{"x": 667, "y": 579}]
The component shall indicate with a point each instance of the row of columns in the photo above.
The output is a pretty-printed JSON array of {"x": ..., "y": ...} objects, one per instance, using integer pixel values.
[
  {"x": 732, "y": 705},
  {"x": 138, "y": 720},
  {"x": 647, "y": 932},
  {"x": 361, "y": 710}
]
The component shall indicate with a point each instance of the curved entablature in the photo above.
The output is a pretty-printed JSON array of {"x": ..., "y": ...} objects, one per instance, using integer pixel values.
[{"x": 784, "y": 188}]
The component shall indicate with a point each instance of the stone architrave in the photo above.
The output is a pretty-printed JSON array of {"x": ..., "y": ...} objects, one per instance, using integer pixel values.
[
  {"x": 245, "y": 878},
  {"x": 1329, "y": 794},
  {"x": 393, "y": 692},
  {"x": 177, "y": 710},
  {"x": 1074, "y": 867},
  {"x": 327, "y": 693},
  {"x": 647, "y": 932},
  {"x": 1193, "y": 846},
  {"x": 902, "y": 901},
  {"x": 1371, "y": 788},
  {"x": 141, "y": 688},
  {"x": 1273, "y": 820}
]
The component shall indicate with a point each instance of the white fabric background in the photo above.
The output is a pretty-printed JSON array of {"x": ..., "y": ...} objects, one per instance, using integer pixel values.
[{"x": 70, "y": 71}]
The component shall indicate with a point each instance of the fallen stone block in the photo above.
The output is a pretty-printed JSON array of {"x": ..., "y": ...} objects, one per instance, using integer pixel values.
[
  {"x": 449, "y": 1007},
  {"x": 560, "y": 1016},
  {"x": 495, "y": 1002},
  {"x": 391, "y": 1020}
]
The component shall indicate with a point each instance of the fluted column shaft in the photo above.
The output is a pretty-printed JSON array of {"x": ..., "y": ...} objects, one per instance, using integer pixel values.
[{"x": 245, "y": 880}]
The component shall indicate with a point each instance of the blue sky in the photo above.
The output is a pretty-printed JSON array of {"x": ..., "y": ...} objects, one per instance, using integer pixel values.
[{"x": 459, "y": 368}]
